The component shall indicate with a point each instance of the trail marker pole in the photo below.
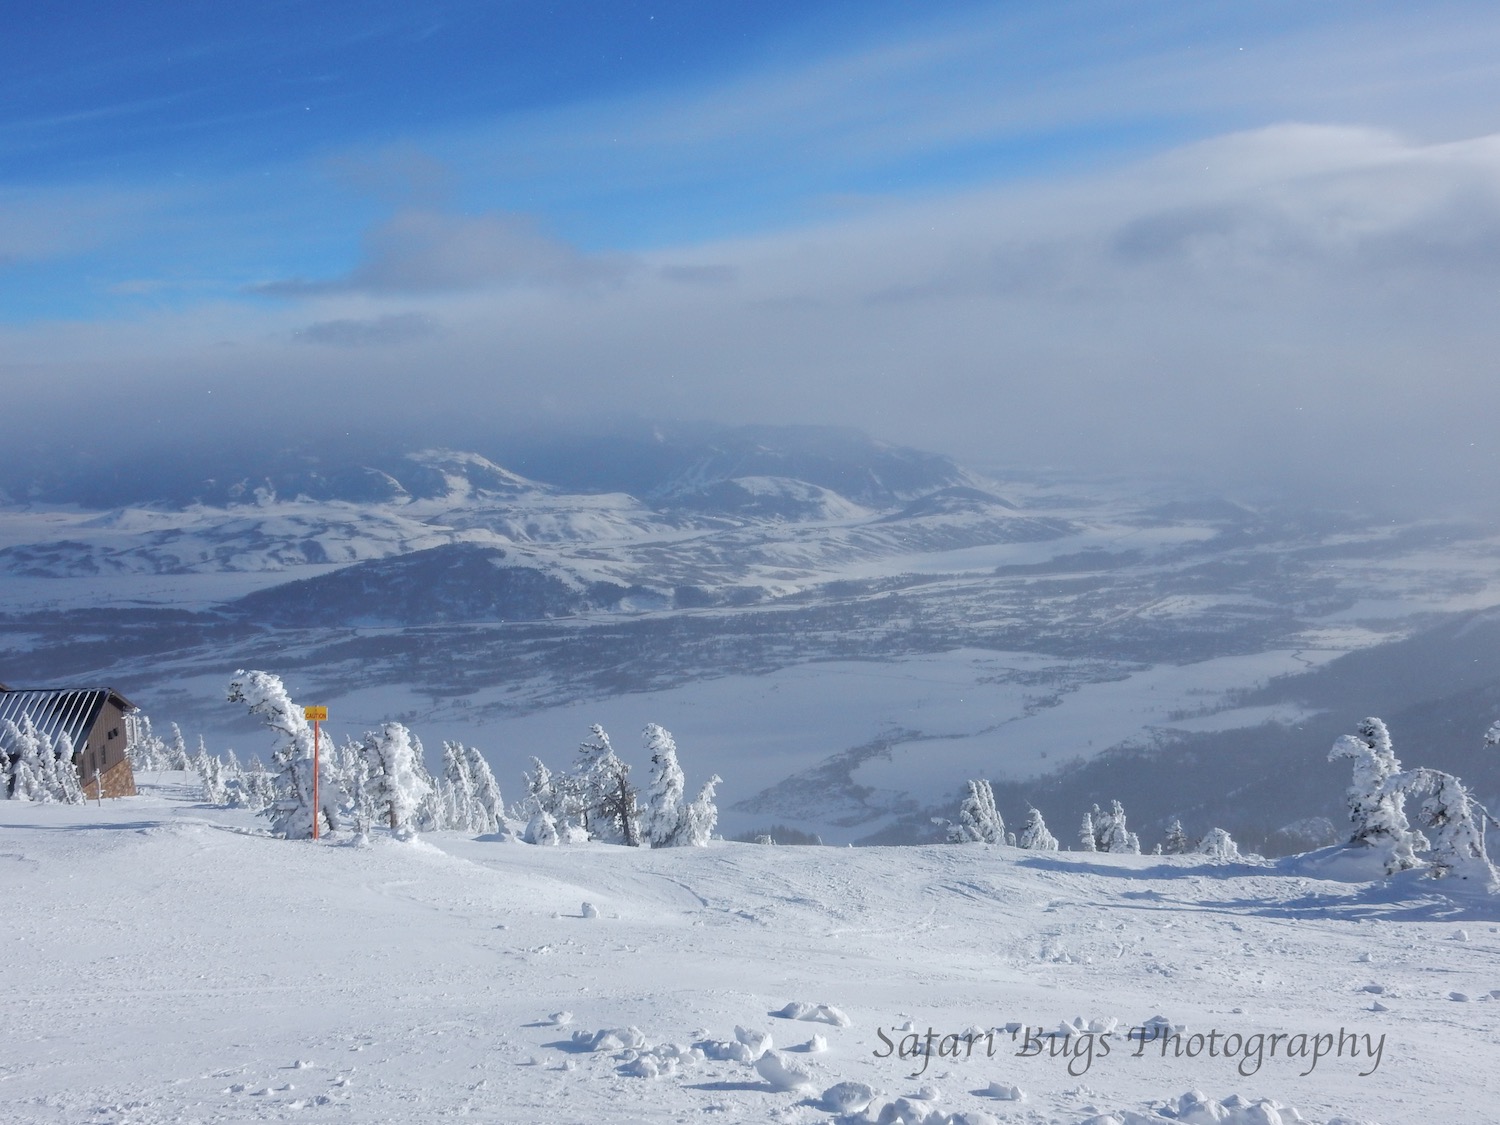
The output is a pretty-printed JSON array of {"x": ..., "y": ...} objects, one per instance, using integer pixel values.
[{"x": 315, "y": 715}]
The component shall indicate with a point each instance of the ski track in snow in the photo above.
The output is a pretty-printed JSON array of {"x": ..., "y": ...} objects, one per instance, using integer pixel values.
[{"x": 168, "y": 962}]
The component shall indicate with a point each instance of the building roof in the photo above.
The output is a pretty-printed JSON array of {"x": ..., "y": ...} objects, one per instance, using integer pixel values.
[{"x": 56, "y": 711}]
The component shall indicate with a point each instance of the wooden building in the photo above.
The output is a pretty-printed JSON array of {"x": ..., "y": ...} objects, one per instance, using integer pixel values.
[{"x": 92, "y": 718}]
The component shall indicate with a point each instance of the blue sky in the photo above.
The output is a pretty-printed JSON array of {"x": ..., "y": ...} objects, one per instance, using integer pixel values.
[{"x": 192, "y": 192}]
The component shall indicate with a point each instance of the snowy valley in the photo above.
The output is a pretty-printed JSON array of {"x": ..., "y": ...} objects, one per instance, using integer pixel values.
[{"x": 845, "y": 631}]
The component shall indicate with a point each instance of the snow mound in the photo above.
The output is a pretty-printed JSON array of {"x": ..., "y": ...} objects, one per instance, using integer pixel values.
[
  {"x": 756, "y": 1042},
  {"x": 1002, "y": 1092},
  {"x": 782, "y": 1073},
  {"x": 1196, "y": 1108},
  {"x": 660, "y": 1062},
  {"x": 847, "y": 1097},
  {"x": 611, "y": 1039},
  {"x": 916, "y": 1111},
  {"x": 815, "y": 1013}
]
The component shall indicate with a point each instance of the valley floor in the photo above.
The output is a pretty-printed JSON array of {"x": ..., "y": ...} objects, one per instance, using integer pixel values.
[{"x": 168, "y": 962}]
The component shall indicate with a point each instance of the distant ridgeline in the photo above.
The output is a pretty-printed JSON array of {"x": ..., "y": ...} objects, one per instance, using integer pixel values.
[{"x": 647, "y": 460}]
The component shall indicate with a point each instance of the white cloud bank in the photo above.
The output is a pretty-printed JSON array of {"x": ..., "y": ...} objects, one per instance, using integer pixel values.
[{"x": 1299, "y": 304}]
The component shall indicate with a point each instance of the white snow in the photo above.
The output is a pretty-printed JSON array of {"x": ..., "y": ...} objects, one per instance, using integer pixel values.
[{"x": 167, "y": 962}]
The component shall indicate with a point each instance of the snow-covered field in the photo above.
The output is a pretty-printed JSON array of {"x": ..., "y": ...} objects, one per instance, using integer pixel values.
[{"x": 167, "y": 962}]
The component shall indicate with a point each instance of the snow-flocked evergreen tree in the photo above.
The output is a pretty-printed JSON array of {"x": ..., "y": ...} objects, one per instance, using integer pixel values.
[
  {"x": 487, "y": 799},
  {"x": 667, "y": 822},
  {"x": 542, "y": 829},
  {"x": 461, "y": 812},
  {"x": 541, "y": 794},
  {"x": 1220, "y": 845},
  {"x": 1377, "y": 801},
  {"x": 1034, "y": 835},
  {"x": 1176, "y": 842},
  {"x": 701, "y": 816},
  {"x": 1086, "y": 839},
  {"x": 396, "y": 783},
  {"x": 1456, "y": 821},
  {"x": 978, "y": 818},
  {"x": 291, "y": 813},
  {"x": 608, "y": 800},
  {"x": 36, "y": 770},
  {"x": 1113, "y": 836},
  {"x": 662, "y": 819}
]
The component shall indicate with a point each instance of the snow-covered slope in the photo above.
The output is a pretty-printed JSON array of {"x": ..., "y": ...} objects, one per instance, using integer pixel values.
[{"x": 169, "y": 963}]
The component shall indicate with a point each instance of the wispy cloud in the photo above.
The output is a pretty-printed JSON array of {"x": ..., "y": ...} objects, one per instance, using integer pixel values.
[
  {"x": 434, "y": 252},
  {"x": 378, "y": 331}
]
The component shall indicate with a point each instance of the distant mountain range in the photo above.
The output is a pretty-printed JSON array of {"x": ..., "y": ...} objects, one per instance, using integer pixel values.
[{"x": 842, "y": 628}]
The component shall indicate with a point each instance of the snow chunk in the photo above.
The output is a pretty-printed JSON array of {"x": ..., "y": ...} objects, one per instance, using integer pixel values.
[
  {"x": 611, "y": 1039},
  {"x": 905, "y": 1111},
  {"x": 815, "y": 1013},
  {"x": 1001, "y": 1092},
  {"x": 660, "y": 1062},
  {"x": 756, "y": 1042},
  {"x": 781, "y": 1072},
  {"x": 1196, "y": 1108},
  {"x": 847, "y": 1097},
  {"x": 648, "y": 1066},
  {"x": 722, "y": 1051},
  {"x": 590, "y": 910}
]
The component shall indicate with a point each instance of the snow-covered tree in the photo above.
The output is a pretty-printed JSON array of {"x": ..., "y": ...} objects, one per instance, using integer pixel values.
[
  {"x": 177, "y": 753},
  {"x": 66, "y": 787},
  {"x": 667, "y": 822},
  {"x": 487, "y": 799},
  {"x": 34, "y": 769},
  {"x": 1218, "y": 844},
  {"x": 1176, "y": 842},
  {"x": 23, "y": 781},
  {"x": 257, "y": 787},
  {"x": 607, "y": 799},
  {"x": 542, "y": 829},
  {"x": 291, "y": 813},
  {"x": 461, "y": 812},
  {"x": 141, "y": 745},
  {"x": 541, "y": 794},
  {"x": 211, "y": 775},
  {"x": 616, "y": 811},
  {"x": 1086, "y": 839},
  {"x": 1111, "y": 835},
  {"x": 429, "y": 816},
  {"x": 1034, "y": 835},
  {"x": 662, "y": 819},
  {"x": 1377, "y": 801},
  {"x": 701, "y": 816},
  {"x": 978, "y": 818},
  {"x": 397, "y": 787},
  {"x": 1456, "y": 821}
]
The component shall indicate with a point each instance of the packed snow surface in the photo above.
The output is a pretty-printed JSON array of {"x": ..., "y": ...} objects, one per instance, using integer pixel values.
[{"x": 168, "y": 962}]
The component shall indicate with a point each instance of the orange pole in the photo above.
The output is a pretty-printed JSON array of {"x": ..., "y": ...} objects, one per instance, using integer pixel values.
[{"x": 316, "y": 810}]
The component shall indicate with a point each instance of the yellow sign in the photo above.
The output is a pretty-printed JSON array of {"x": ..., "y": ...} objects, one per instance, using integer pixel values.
[{"x": 315, "y": 714}]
